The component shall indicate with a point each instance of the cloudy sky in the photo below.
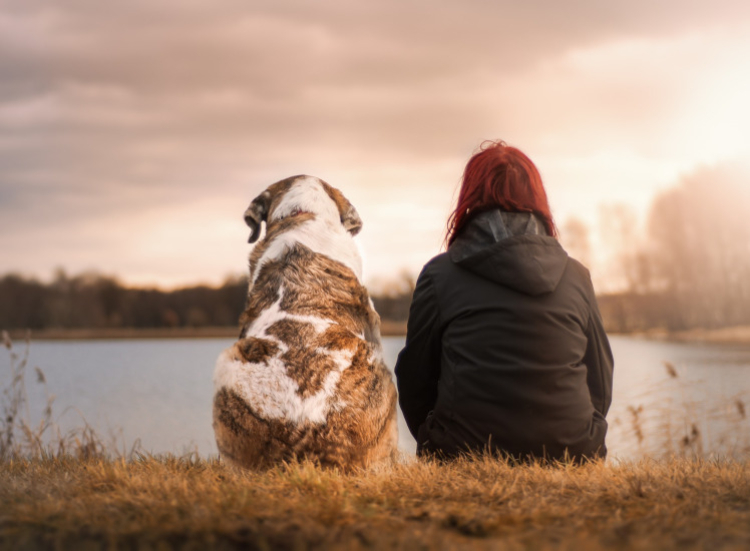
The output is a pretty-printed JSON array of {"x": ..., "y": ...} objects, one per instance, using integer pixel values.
[{"x": 134, "y": 134}]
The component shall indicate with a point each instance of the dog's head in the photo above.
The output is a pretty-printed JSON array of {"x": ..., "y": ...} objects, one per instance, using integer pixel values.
[{"x": 301, "y": 195}]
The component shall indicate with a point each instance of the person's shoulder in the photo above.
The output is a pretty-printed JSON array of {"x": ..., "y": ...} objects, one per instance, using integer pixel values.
[
  {"x": 437, "y": 260},
  {"x": 579, "y": 276},
  {"x": 578, "y": 268},
  {"x": 437, "y": 265}
]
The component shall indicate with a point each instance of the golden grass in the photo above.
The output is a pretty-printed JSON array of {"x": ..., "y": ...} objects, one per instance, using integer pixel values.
[{"x": 190, "y": 503}]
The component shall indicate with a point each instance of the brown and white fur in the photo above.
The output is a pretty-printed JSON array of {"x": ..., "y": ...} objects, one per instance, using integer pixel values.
[{"x": 306, "y": 378}]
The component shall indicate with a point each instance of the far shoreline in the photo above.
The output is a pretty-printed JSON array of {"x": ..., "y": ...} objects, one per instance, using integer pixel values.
[
  {"x": 387, "y": 329},
  {"x": 738, "y": 335}
]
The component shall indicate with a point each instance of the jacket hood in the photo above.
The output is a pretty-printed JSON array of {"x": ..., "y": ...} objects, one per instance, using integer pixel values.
[{"x": 512, "y": 249}]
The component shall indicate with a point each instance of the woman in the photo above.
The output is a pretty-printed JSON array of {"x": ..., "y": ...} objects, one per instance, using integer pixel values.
[{"x": 505, "y": 347}]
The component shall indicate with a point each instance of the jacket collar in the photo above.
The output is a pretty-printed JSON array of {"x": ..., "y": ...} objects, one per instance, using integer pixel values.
[
  {"x": 493, "y": 226},
  {"x": 512, "y": 249}
]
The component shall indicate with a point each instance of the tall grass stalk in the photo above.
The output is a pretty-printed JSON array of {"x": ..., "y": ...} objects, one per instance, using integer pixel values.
[
  {"x": 22, "y": 437},
  {"x": 677, "y": 424}
]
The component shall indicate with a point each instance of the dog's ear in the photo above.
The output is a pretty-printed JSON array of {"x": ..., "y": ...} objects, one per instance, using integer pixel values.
[
  {"x": 350, "y": 219},
  {"x": 349, "y": 216},
  {"x": 256, "y": 213}
]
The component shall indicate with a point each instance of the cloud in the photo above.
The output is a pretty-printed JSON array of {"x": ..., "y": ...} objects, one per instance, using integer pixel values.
[{"x": 117, "y": 117}]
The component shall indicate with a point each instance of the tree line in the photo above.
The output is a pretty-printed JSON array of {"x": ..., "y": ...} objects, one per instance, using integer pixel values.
[{"x": 92, "y": 300}]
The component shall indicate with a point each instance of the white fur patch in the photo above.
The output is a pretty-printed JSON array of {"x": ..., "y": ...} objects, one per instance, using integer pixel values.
[
  {"x": 324, "y": 234},
  {"x": 267, "y": 387},
  {"x": 307, "y": 194}
]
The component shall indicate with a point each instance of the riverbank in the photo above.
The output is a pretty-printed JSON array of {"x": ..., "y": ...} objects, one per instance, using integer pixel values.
[
  {"x": 388, "y": 329},
  {"x": 725, "y": 335},
  {"x": 154, "y": 503}
]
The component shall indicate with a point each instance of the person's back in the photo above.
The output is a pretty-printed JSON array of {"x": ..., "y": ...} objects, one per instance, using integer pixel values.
[{"x": 505, "y": 347}]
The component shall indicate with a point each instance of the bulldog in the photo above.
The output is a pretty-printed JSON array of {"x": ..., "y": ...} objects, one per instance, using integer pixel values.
[{"x": 306, "y": 378}]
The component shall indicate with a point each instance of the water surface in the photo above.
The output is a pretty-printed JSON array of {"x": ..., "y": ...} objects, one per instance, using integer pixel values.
[{"x": 160, "y": 391}]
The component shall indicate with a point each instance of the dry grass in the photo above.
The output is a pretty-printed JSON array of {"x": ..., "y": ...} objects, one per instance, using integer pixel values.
[
  {"x": 681, "y": 422},
  {"x": 481, "y": 504}
]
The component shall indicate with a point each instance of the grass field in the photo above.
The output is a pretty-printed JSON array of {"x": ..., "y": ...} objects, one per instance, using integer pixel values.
[
  {"x": 72, "y": 491},
  {"x": 184, "y": 503}
]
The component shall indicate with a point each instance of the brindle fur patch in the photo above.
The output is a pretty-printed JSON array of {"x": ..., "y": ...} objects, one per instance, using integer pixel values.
[
  {"x": 257, "y": 350},
  {"x": 305, "y": 363},
  {"x": 257, "y": 302},
  {"x": 316, "y": 285}
]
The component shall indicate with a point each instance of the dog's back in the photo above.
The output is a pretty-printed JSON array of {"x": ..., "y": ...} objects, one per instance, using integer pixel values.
[{"x": 306, "y": 379}]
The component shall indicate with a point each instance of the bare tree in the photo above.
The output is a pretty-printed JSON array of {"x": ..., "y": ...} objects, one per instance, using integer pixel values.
[
  {"x": 575, "y": 238},
  {"x": 629, "y": 263},
  {"x": 700, "y": 234}
]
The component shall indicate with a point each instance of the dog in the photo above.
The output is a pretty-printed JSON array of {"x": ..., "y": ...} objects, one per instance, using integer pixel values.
[{"x": 306, "y": 378}]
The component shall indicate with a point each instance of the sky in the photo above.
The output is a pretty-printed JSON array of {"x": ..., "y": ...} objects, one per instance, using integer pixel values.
[{"x": 133, "y": 135}]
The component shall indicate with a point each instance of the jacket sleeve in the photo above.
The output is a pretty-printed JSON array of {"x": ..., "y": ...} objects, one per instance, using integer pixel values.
[
  {"x": 598, "y": 360},
  {"x": 418, "y": 365}
]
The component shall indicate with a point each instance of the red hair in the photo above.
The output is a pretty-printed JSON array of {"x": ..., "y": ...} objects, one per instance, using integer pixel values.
[{"x": 500, "y": 176}]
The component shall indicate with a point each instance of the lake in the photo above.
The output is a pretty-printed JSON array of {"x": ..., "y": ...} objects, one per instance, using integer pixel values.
[{"x": 160, "y": 391}]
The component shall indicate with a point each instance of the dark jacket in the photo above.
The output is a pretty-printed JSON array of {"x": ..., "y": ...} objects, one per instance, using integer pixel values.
[{"x": 505, "y": 347}]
